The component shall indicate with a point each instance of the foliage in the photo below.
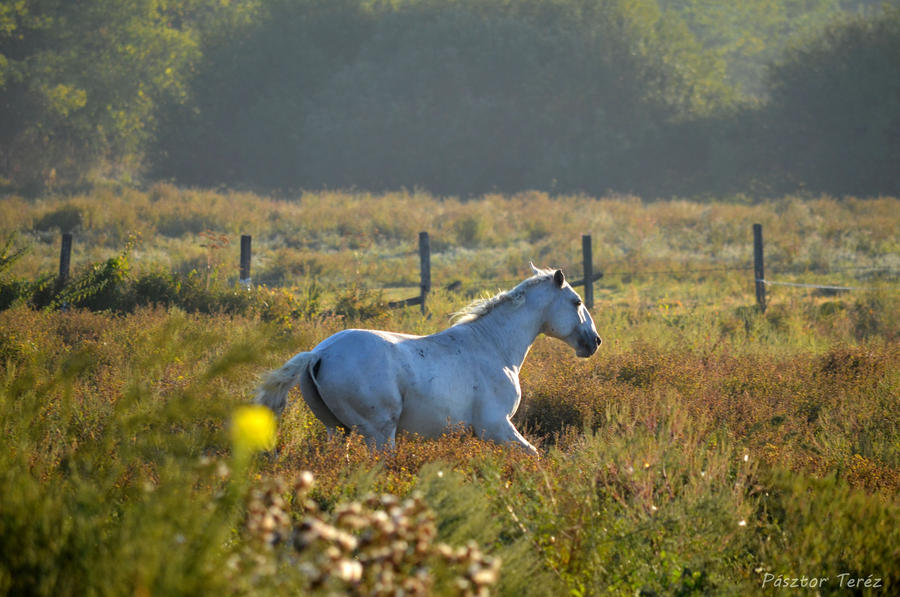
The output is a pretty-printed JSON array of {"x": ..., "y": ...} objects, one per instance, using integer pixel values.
[
  {"x": 110, "y": 285},
  {"x": 657, "y": 97},
  {"x": 9, "y": 255},
  {"x": 704, "y": 446},
  {"x": 377, "y": 545},
  {"x": 357, "y": 302},
  {"x": 99, "y": 287},
  {"x": 836, "y": 105},
  {"x": 10, "y": 288},
  {"x": 98, "y": 489},
  {"x": 66, "y": 218},
  {"x": 81, "y": 84},
  {"x": 749, "y": 35},
  {"x": 441, "y": 85},
  {"x": 248, "y": 95}
]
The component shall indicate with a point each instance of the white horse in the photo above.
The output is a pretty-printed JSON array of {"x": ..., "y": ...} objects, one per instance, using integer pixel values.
[{"x": 381, "y": 382}]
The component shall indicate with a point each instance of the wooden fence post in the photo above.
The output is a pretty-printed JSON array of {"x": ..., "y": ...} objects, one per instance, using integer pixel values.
[
  {"x": 65, "y": 258},
  {"x": 587, "y": 259},
  {"x": 759, "y": 274},
  {"x": 424, "y": 267},
  {"x": 245, "y": 259}
]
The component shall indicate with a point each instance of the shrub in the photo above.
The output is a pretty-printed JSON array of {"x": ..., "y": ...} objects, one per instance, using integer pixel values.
[
  {"x": 89, "y": 503},
  {"x": 801, "y": 536},
  {"x": 357, "y": 302},
  {"x": 67, "y": 218},
  {"x": 470, "y": 231},
  {"x": 155, "y": 288},
  {"x": 11, "y": 291},
  {"x": 377, "y": 545}
]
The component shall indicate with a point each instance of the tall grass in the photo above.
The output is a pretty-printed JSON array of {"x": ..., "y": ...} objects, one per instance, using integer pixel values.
[
  {"x": 340, "y": 238},
  {"x": 704, "y": 447}
]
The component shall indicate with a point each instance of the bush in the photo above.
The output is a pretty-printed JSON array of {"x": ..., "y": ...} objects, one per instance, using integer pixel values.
[
  {"x": 155, "y": 288},
  {"x": 104, "y": 509},
  {"x": 801, "y": 536},
  {"x": 67, "y": 218},
  {"x": 835, "y": 108},
  {"x": 458, "y": 98},
  {"x": 358, "y": 302},
  {"x": 377, "y": 545}
]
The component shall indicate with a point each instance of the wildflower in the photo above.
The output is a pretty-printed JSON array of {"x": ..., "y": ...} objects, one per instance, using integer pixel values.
[
  {"x": 304, "y": 482},
  {"x": 348, "y": 570},
  {"x": 253, "y": 429},
  {"x": 742, "y": 523},
  {"x": 222, "y": 470}
]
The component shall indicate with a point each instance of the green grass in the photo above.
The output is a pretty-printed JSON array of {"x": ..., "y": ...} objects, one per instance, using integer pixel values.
[{"x": 705, "y": 446}]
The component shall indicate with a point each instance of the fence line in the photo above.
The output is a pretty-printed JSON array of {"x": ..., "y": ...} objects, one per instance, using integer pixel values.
[
  {"x": 244, "y": 278},
  {"x": 678, "y": 272},
  {"x": 802, "y": 285},
  {"x": 590, "y": 275},
  {"x": 847, "y": 268},
  {"x": 424, "y": 276},
  {"x": 588, "y": 269},
  {"x": 65, "y": 258},
  {"x": 760, "y": 278}
]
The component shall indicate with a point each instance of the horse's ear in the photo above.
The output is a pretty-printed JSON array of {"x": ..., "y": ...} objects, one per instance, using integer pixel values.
[
  {"x": 534, "y": 269},
  {"x": 559, "y": 278}
]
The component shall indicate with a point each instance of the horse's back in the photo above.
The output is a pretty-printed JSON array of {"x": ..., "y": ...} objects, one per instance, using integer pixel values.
[
  {"x": 352, "y": 353},
  {"x": 353, "y": 338}
]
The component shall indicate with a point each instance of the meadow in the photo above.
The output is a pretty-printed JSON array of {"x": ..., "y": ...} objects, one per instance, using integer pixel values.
[{"x": 707, "y": 447}]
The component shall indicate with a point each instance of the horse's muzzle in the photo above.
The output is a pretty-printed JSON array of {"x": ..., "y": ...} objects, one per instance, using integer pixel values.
[{"x": 588, "y": 345}]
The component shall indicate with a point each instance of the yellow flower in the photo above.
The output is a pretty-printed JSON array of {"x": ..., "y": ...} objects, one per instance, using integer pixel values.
[{"x": 253, "y": 428}]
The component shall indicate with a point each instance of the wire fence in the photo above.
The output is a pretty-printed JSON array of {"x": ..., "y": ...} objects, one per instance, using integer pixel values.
[
  {"x": 759, "y": 279},
  {"x": 592, "y": 273}
]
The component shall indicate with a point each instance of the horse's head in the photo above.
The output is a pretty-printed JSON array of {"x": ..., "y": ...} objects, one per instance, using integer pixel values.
[{"x": 569, "y": 320}]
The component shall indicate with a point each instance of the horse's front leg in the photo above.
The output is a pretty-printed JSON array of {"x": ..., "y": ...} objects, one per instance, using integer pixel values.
[{"x": 503, "y": 431}]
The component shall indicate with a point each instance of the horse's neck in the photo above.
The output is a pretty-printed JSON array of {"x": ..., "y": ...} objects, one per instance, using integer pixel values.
[{"x": 511, "y": 330}]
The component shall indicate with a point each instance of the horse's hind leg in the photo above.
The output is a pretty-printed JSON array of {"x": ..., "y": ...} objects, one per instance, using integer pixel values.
[
  {"x": 357, "y": 381},
  {"x": 309, "y": 387},
  {"x": 371, "y": 406},
  {"x": 380, "y": 431}
]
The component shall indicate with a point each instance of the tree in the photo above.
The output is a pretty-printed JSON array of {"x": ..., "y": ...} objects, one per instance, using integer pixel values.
[
  {"x": 243, "y": 124},
  {"x": 458, "y": 97},
  {"x": 81, "y": 81},
  {"x": 835, "y": 107}
]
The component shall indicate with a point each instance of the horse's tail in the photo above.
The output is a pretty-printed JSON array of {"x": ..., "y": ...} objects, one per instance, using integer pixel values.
[{"x": 273, "y": 390}]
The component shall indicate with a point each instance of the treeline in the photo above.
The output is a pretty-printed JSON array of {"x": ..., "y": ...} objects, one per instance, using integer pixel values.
[{"x": 660, "y": 98}]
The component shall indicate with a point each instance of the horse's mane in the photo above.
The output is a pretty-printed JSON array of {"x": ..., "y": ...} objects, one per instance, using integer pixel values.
[{"x": 481, "y": 307}]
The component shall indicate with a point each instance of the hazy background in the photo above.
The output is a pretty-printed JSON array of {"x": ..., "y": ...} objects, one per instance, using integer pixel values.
[{"x": 660, "y": 98}]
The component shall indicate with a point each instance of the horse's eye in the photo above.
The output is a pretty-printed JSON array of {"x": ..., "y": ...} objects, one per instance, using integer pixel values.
[{"x": 577, "y": 302}]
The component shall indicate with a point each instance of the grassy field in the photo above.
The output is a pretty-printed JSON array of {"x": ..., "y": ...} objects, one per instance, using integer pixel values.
[{"x": 706, "y": 448}]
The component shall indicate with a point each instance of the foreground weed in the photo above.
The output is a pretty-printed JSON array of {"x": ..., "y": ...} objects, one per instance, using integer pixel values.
[{"x": 632, "y": 508}]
